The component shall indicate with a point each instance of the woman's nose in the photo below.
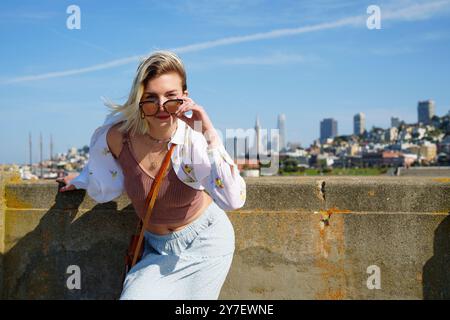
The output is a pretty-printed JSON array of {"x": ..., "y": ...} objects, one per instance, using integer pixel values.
[{"x": 161, "y": 103}]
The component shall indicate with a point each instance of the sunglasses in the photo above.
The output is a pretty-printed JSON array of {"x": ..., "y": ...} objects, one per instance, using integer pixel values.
[{"x": 151, "y": 107}]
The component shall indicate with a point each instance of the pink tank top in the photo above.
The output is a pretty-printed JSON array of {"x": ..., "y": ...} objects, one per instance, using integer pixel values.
[{"x": 176, "y": 202}]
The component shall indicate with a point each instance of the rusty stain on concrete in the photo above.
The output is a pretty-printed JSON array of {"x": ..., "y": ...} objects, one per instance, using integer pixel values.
[
  {"x": 329, "y": 258},
  {"x": 441, "y": 212},
  {"x": 323, "y": 244},
  {"x": 443, "y": 180},
  {"x": 13, "y": 202},
  {"x": 326, "y": 215},
  {"x": 331, "y": 294},
  {"x": 13, "y": 178}
]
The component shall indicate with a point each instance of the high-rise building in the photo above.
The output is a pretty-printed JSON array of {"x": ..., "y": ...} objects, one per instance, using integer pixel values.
[
  {"x": 328, "y": 129},
  {"x": 236, "y": 155},
  {"x": 395, "y": 122},
  {"x": 282, "y": 130},
  {"x": 425, "y": 111},
  {"x": 359, "y": 123},
  {"x": 51, "y": 147},
  {"x": 31, "y": 150},
  {"x": 257, "y": 145}
]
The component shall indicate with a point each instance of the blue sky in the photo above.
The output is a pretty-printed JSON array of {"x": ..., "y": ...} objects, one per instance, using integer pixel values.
[{"x": 308, "y": 59}]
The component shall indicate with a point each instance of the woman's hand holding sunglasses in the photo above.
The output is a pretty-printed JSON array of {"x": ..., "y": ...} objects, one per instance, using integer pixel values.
[
  {"x": 199, "y": 120},
  {"x": 199, "y": 115}
]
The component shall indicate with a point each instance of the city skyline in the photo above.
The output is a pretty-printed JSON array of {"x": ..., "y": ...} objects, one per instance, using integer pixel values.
[
  {"x": 247, "y": 147},
  {"x": 428, "y": 104}
]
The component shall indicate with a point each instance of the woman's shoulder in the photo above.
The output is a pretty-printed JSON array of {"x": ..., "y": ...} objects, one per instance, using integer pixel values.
[{"x": 115, "y": 138}]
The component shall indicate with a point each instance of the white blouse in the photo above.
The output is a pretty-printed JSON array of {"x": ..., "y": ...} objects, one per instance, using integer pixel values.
[{"x": 197, "y": 165}]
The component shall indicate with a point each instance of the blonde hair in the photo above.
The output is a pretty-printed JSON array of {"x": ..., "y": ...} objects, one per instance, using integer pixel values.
[{"x": 158, "y": 63}]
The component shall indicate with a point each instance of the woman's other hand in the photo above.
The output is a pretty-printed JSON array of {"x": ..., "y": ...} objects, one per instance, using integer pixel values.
[{"x": 66, "y": 180}]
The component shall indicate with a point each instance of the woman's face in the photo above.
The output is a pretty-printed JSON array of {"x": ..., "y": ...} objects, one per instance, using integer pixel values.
[{"x": 160, "y": 89}]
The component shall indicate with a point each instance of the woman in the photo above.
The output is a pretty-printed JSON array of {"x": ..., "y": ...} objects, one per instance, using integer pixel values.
[{"x": 189, "y": 240}]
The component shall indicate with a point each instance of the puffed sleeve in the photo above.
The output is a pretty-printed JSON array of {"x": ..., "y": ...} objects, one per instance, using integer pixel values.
[
  {"x": 218, "y": 174},
  {"x": 102, "y": 176}
]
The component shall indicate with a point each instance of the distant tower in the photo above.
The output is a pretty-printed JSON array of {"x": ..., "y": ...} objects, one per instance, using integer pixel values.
[
  {"x": 328, "y": 129},
  {"x": 359, "y": 123},
  {"x": 282, "y": 129},
  {"x": 51, "y": 147},
  {"x": 30, "y": 146},
  {"x": 395, "y": 122},
  {"x": 258, "y": 137},
  {"x": 235, "y": 148},
  {"x": 246, "y": 148},
  {"x": 40, "y": 147},
  {"x": 425, "y": 111}
]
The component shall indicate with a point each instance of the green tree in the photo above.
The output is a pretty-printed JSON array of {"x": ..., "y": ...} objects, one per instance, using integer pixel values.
[{"x": 290, "y": 165}]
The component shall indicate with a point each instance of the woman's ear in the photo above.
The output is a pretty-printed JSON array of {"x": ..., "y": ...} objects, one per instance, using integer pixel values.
[{"x": 186, "y": 93}]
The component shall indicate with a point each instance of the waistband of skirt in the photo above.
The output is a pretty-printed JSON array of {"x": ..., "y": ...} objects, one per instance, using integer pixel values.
[{"x": 196, "y": 225}]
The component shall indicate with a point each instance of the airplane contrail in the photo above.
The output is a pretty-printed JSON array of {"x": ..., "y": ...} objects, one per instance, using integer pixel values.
[{"x": 413, "y": 12}]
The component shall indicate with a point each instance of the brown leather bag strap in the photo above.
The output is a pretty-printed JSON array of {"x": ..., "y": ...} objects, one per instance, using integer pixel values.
[{"x": 150, "y": 201}]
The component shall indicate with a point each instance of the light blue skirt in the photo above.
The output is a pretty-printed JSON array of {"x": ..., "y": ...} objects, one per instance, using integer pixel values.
[{"x": 191, "y": 263}]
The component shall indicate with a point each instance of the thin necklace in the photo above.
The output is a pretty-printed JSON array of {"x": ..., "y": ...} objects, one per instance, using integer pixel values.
[
  {"x": 164, "y": 140},
  {"x": 157, "y": 140}
]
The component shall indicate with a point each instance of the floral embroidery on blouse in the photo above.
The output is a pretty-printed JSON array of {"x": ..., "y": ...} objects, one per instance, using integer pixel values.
[
  {"x": 188, "y": 179},
  {"x": 219, "y": 183},
  {"x": 113, "y": 173},
  {"x": 187, "y": 169}
]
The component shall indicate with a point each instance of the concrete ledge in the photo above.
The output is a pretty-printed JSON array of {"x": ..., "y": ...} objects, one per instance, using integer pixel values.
[
  {"x": 388, "y": 194},
  {"x": 283, "y": 250}
]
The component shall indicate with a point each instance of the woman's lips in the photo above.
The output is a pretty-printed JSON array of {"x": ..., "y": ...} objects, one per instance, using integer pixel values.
[{"x": 163, "y": 116}]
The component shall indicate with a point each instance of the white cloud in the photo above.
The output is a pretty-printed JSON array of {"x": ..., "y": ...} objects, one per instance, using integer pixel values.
[
  {"x": 272, "y": 59},
  {"x": 415, "y": 11},
  {"x": 23, "y": 15}
]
